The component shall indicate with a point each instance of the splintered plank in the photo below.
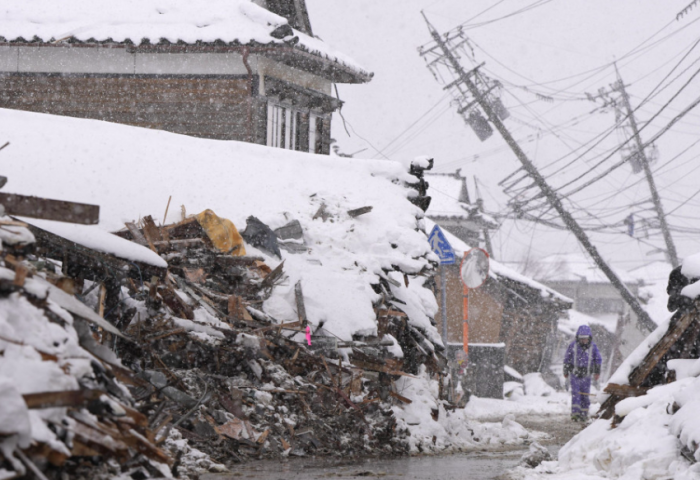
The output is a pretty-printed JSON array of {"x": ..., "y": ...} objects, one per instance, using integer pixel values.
[
  {"x": 136, "y": 233},
  {"x": 175, "y": 303},
  {"x": 642, "y": 371},
  {"x": 625, "y": 390},
  {"x": 301, "y": 308},
  {"x": 68, "y": 398},
  {"x": 46, "y": 209},
  {"x": 359, "y": 211}
]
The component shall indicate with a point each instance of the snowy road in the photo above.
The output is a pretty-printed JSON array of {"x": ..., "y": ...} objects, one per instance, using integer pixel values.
[
  {"x": 466, "y": 466},
  {"x": 473, "y": 466}
]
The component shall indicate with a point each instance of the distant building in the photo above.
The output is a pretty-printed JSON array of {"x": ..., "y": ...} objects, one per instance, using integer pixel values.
[
  {"x": 452, "y": 208},
  {"x": 510, "y": 312},
  {"x": 226, "y": 69},
  {"x": 595, "y": 299}
]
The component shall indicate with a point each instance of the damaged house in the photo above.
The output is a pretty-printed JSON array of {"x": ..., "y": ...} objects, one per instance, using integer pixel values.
[
  {"x": 236, "y": 70},
  {"x": 452, "y": 209},
  {"x": 512, "y": 322},
  {"x": 258, "y": 317}
]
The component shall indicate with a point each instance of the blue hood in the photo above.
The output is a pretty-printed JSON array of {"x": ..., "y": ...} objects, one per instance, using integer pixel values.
[{"x": 584, "y": 330}]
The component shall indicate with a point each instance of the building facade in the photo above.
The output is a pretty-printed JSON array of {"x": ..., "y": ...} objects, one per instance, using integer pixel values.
[{"x": 250, "y": 72}]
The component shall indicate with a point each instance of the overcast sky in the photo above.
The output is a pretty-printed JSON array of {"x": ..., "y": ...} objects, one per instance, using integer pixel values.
[{"x": 558, "y": 49}]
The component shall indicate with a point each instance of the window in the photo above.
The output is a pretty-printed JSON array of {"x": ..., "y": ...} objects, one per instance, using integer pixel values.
[
  {"x": 282, "y": 127},
  {"x": 316, "y": 133},
  {"x": 312, "y": 132}
]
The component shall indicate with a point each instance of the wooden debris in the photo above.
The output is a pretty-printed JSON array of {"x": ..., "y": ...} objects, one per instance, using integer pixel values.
[
  {"x": 625, "y": 390},
  {"x": 69, "y": 398},
  {"x": 687, "y": 322},
  {"x": 44, "y": 208},
  {"x": 359, "y": 211},
  {"x": 301, "y": 309},
  {"x": 136, "y": 234}
]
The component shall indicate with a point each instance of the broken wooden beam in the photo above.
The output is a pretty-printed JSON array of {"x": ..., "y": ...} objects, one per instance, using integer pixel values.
[
  {"x": 625, "y": 390},
  {"x": 68, "y": 398},
  {"x": 359, "y": 211},
  {"x": 301, "y": 309},
  {"x": 136, "y": 234},
  {"x": 47, "y": 209},
  {"x": 83, "y": 262}
]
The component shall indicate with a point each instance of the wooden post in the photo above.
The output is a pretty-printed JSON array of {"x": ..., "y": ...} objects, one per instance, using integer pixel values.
[{"x": 465, "y": 323}]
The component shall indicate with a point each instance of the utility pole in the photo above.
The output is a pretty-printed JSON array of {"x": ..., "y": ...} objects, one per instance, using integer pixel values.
[
  {"x": 480, "y": 205},
  {"x": 549, "y": 193},
  {"x": 644, "y": 161}
]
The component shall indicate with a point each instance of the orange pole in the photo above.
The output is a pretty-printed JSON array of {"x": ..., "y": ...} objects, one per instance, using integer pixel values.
[{"x": 465, "y": 323}]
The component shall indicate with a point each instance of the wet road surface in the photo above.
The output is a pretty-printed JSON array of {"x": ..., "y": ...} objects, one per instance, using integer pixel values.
[
  {"x": 465, "y": 466},
  {"x": 472, "y": 466}
]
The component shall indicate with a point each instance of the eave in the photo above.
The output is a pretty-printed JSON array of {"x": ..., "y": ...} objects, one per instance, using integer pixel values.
[{"x": 285, "y": 53}]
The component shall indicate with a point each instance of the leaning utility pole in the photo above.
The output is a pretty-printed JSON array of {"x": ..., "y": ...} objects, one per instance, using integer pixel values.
[
  {"x": 549, "y": 193},
  {"x": 641, "y": 156}
]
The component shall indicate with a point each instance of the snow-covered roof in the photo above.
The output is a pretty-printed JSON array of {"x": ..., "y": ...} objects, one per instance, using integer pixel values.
[
  {"x": 497, "y": 269},
  {"x": 576, "y": 319},
  {"x": 131, "y": 172},
  {"x": 575, "y": 267},
  {"x": 448, "y": 196},
  {"x": 238, "y": 22}
]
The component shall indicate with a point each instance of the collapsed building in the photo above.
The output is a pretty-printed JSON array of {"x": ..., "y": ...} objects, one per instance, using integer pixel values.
[
  {"x": 512, "y": 323},
  {"x": 287, "y": 319}
]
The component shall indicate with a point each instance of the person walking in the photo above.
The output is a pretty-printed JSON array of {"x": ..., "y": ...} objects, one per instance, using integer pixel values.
[{"x": 582, "y": 360}]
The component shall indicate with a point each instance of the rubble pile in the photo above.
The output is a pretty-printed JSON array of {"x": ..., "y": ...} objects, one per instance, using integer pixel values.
[
  {"x": 64, "y": 396},
  {"x": 152, "y": 353},
  {"x": 237, "y": 382}
]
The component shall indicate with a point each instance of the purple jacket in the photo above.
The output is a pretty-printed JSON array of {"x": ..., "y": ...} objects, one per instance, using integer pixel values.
[{"x": 582, "y": 360}]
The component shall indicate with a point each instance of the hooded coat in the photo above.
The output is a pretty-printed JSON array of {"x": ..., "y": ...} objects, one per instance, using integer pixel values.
[{"x": 582, "y": 360}]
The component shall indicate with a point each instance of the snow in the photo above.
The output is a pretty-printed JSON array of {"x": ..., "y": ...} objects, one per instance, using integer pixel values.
[
  {"x": 458, "y": 430},
  {"x": 691, "y": 270},
  {"x": 513, "y": 372},
  {"x": 653, "y": 280},
  {"x": 536, "y": 386},
  {"x": 15, "y": 235},
  {"x": 26, "y": 336},
  {"x": 97, "y": 239},
  {"x": 685, "y": 368},
  {"x": 139, "y": 21},
  {"x": 445, "y": 191},
  {"x": 488, "y": 409},
  {"x": 345, "y": 255},
  {"x": 576, "y": 267},
  {"x": 570, "y": 325},
  {"x": 691, "y": 291},
  {"x": 691, "y": 266},
  {"x": 497, "y": 269},
  {"x": 645, "y": 445},
  {"x": 635, "y": 358}
]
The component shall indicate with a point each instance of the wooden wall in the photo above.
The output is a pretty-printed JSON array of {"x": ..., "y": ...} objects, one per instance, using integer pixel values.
[
  {"x": 207, "y": 107},
  {"x": 499, "y": 315},
  {"x": 486, "y": 311}
]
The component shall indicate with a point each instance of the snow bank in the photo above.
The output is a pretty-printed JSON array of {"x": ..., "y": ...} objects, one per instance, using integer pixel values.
[
  {"x": 95, "y": 162},
  {"x": 646, "y": 444},
  {"x": 432, "y": 429},
  {"x": 490, "y": 409}
]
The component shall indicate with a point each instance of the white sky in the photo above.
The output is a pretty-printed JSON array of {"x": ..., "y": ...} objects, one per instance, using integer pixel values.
[{"x": 555, "y": 40}]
